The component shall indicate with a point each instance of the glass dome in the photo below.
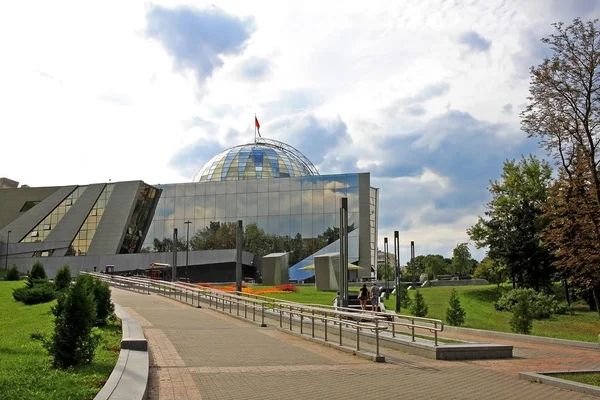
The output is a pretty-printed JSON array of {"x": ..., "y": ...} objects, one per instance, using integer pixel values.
[{"x": 265, "y": 158}]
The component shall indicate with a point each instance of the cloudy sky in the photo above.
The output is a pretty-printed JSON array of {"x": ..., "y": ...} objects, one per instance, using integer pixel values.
[{"x": 423, "y": 94}]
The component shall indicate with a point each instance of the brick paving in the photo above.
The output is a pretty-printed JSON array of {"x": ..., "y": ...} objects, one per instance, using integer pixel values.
[{"x": 203, "y": 354}]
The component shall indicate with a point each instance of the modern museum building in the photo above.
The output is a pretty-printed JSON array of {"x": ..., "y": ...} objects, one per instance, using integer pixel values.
[{"x": 284, "y": 204}]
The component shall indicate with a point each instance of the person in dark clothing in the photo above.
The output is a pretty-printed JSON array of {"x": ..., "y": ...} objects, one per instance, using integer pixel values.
[{"x": 363, "y": 296}]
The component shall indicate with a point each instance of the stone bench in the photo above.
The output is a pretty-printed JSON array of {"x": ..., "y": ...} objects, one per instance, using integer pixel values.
[{"x": 129, "y": 378}]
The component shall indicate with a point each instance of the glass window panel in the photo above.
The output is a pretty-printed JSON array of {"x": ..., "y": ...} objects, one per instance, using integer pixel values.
[
  {"x": 200, "y": 189},
  {"x": 252, "y": 186},
  {"x": 329, "y": 205},
  {"x": 199, "y": 224},
  {"x": 241, "y": 187},
  {"x": 307, "y": 183},
  {"x": 284, "y": 184},
  {"x": 190, "y": 189},
  {"x": 170, "y": 208},
  {"x": 263, "y": 223},
  {"x": 307, "y": 202},
  {"x": 199, "y": 206},
  {"x": 318, "y": 182},
  {"x": 352, "y": 195},
  {"x": 295, "y": 224},
  {"x": 190, "y": 205},
  {"x": 263, "y": 185},
  {"x": 329, "y": 221},
  {"x": 274, "y": 185},
  {"x": 352, "y": 180},
  {"x": 251, "y": 220},
  {"x": 180, "y": 190},
  {"x": 317, "y": 200},
  {"x": 231, "y": 186},
  {"x": 284, "y": 203},
  {"x": 341, "y": 182},
  {"x": 252, "y": 205},
  {"x": 306, "y": 226},
  {"x": 274, "y": 203},
  {"x": 329, "y": 182},
  {"x": 241, "y": 204},
  {"x": 231, "y": 206},
  {"x": 220, "y": 205},
  {"x": 210, "y": 207},
  {"x": 317, "y": 228},
  {"x": 295, "y": 202},
  {"x": 353, "y": 219},
  {"x": 263, "y": 204},
  {"x": 284, "y": 225},
  {"x": 295, "y": 183},
  {"x": 169, "y": 191},
  {"x": 339, "y": 193},
  {"x": 179, "y": 207},
  {"x": 221, "y": 187},
  {"x": 168, "y": 231},
  {"x": 274, "y": 224},
  {"x": 210, "y": 187}
]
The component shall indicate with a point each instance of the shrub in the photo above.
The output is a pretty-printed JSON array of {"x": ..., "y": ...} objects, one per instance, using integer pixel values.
[
  {"x": 12, "y": 274},
  {"x": 288, "y": 287},
  {"x": 40, "y": 293},
  {"x": 38, "y": 272},
  {"x": 73, "y": 342},
  {"x": 104, "y": 306},
  {"x": 542, "y": 305},
  {"x": 455, "y": 314},
  {"x": 522, "y": 319},
  {"x": 419, "y": 308},
  {"x": 62, "y": 279}
]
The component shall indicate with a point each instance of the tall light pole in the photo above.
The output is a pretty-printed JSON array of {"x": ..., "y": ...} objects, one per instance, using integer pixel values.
[
  {"x": 187, "y": 248},
  {"x": 387, "y": 271},
  {"x": 6, "y": 255}
]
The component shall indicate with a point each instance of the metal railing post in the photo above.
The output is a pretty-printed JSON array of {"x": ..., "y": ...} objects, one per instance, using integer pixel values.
[
  {"x": 238, "y": 307},
  {"x": 435, "y": 333},
  {"x": 377, "y": 337},
  {"x": 281, "y": 317},
  {"x": 413, "y": 329},
  {"x": 290, "y": 319},
  {"x": 245, "y": 309},
  {"x": 393, "y": 326},
  {"x": 326, "y": 317},
  {"x": 313, "y": 323},
  {"x": 262, "y": 323},
  {"x": 301, "y": 321},
  {"x": 357, "y": 338},
  {"x": 340, "y": 329}
]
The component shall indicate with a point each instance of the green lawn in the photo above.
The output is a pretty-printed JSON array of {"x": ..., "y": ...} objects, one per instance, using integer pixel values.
[
  {"x": 25, "y": 367},
  {"x": 590, "y": 379},
  {"x": 477, "y": 301}
]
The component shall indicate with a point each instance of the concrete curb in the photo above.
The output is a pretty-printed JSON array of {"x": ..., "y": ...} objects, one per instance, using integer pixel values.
[
  {"x": 129, "y": 378},
  {"x": 523, "y": 338},
  {"x": 562, "y": 383}
]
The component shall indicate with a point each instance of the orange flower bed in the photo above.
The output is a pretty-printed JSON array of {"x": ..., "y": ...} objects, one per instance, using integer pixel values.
[{"x": 245, "y": 289}]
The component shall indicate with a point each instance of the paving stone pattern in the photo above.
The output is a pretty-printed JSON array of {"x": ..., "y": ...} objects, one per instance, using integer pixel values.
[{"x": 203, "y": 354}]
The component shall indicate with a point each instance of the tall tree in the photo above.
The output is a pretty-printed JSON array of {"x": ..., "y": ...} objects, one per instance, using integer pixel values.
[
  {"x": 514, "y": 222},
  {"x": 572, "y": 233},
  {"x": 462, "y": 262}
]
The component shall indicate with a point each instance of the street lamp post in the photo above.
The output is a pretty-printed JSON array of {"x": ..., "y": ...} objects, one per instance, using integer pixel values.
[
  {"x": 387, "y": 271},
  {"x": 187, "y": 248},
  {"x": 6, "y": 255}
]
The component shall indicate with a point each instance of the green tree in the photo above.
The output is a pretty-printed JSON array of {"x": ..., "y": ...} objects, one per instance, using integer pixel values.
[
  {"x": 385, "y": 272},
  {"x": 455, "y": 314},
  {"x": 513, "y": 224},
  {"x": 62, "y": 278},
  {"x": 462, "y": 262},
  {"x": 490, "y": 270},
  {"x": 419, "y": 308},
  {"x": 435, "y": 265},
  {"x": 12, "y": 274}
]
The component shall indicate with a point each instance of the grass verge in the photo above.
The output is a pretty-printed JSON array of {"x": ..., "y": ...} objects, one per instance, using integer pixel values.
[
  {"x": 587, "y": 378},
  {"x": 480, "y": 312},
  {"x": 25, "y": 365}
]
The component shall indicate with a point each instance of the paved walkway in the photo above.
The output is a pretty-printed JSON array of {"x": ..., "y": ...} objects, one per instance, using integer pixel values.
[{"x": 203, "y": 354}]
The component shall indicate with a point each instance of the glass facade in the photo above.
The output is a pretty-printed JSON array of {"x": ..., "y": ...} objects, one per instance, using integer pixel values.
[
  {"x": 140, "y": 219},
  {"x": 301, "y": 208},
  {"x": 43, "y": 229},
  {"x": 262, "y": 160},
  {"x": 83, "y": 239}
]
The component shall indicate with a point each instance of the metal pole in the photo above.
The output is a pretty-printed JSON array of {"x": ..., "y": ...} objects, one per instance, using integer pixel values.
[
  {"x": 6, "y": 256},
  {"x": 187, "y": 248},
  {"x": 344, "y": 250},
  {"x": 412, "y": 262},
  {"x": 386, "y": 270},
  {"x": 174, "y": 268},
  {"x": 239, "y": 244},
  {"x": 397, "y": 268}
]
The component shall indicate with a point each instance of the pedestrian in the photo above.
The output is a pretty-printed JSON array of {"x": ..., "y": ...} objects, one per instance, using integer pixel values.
[
  {"x": 337, "y": 301},
  {"x": 363, "y": 296},
  {"x": 375, "y": 294}
]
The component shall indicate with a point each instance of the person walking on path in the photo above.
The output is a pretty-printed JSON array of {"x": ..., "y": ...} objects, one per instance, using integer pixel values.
[
  {"x": 375, "y": 293},
  {"x": 363, "y": 296}
]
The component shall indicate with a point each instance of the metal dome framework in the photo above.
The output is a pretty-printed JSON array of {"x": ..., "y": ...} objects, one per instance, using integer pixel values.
[{"x": 245, "y": 161}]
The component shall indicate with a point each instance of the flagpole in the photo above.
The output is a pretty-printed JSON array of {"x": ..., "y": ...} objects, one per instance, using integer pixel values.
[{"x": 254, "y": 128}]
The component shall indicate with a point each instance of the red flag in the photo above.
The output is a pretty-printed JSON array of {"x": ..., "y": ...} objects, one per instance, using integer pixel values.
[{"x": 257, "y": 125}]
